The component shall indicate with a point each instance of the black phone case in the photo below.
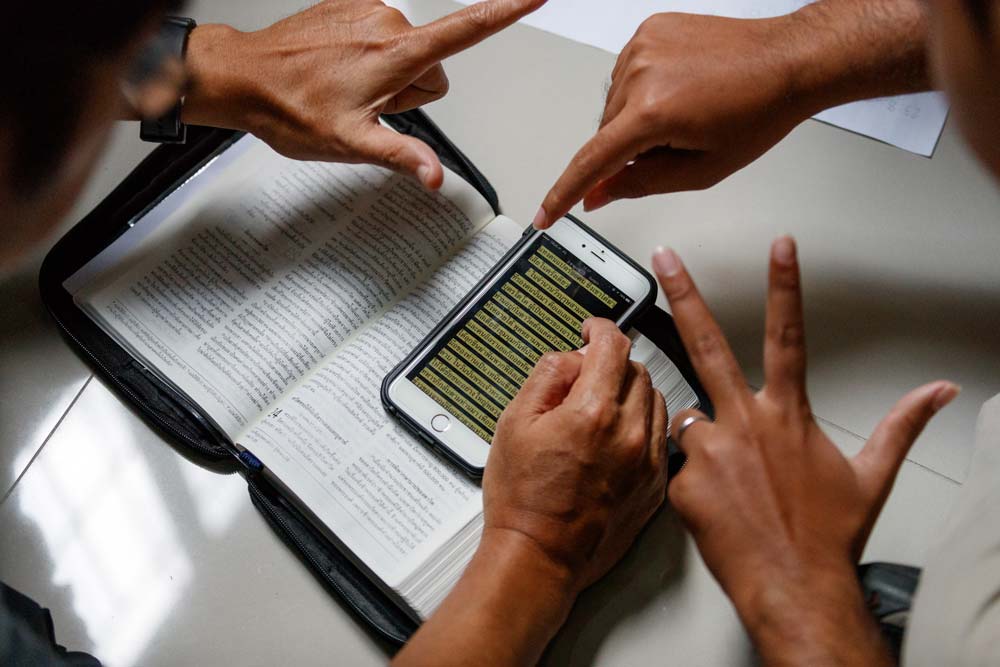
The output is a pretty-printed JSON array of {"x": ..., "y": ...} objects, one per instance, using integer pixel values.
[
  {"x": 427, "y": 436},
  {"x": 182, "y": 423}
]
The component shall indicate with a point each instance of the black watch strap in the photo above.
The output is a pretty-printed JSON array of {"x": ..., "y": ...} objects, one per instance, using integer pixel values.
[{"x": 168, "y": 129}]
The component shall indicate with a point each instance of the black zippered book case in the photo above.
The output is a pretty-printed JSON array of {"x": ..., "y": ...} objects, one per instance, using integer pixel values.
[{"x": 181, "y": 422}]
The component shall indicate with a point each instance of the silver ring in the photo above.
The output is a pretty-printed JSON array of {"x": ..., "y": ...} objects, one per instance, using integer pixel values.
[{"x": 688, "y": 422}]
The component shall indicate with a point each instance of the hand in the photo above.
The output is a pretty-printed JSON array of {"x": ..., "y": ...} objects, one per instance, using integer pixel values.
[
  {"x": 578, "y": 463},
  {"x": 780, "y": 516},
  {"x": 692, "y": 99},
  {"x": 695, "y": 98},
  {"x": 313, "y": 85},
  {"x": 577, "y": 467}
]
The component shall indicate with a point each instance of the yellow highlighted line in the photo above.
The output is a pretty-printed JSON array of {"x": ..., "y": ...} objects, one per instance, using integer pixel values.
[
  {"x": 550, "y": 271},
  {"x": 504, "y": 317},
  {"x": 575, "y": 275},
  {"x": 509, "y": 338},
  {"x": 522, "y": 299},
  {"x": 495, "y": 344},
  {"x": 575, "y": 323},
  {"x": 499, "y": 394},
  {"x": 491, "y": 373},
  {"x": 533, "y": 324},
  {"x": 483, "y": 352},
  {"x": 558, "y": 294},
  {"x": 435, "y": 381},
  {"x": 481, "y": 399}
]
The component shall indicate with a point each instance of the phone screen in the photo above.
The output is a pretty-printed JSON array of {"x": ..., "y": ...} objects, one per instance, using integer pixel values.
[{"x": 538, "y": 305}]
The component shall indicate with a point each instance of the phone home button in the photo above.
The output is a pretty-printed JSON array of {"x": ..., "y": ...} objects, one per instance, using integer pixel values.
[{"x": 441, "y": 423}]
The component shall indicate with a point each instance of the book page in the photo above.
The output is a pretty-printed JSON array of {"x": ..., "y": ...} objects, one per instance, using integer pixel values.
[
  {"x": 249, "y": 275},
  {"x": 382, "y": 492}
]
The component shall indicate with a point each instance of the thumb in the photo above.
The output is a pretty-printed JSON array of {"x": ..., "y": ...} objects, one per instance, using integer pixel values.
[
  {"x": 880, "y": 459},
  {"x": 549, "y": 383},
  {"x": 656, "y": 172},
  {"x": 401, "y": 153}
]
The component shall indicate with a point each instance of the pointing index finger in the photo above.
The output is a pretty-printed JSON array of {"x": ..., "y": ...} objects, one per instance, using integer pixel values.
[
  {"x": 466, "y": 27},
  {"x": 607, "y": 153}
]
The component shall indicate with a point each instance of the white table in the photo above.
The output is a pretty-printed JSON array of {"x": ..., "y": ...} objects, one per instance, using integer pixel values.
[{"x": 147, "y": 558}]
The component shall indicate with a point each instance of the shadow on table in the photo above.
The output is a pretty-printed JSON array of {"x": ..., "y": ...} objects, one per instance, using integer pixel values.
[
  {"x": 651, "y": 572},
  {"x": 896, "y": 318}
]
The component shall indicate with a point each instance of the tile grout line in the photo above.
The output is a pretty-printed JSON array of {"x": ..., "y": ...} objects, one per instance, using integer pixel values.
[
  {"x": 46, "y": 440},
  {"x": 864, "y": 440}
]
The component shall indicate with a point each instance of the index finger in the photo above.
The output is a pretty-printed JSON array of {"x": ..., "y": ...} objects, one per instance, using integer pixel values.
[
  {"x": 605, "y": 365},
  {"x": 607, "y": 153},
  {"x": 710, "y": 353},
  {"x": 466, "y": 27}
]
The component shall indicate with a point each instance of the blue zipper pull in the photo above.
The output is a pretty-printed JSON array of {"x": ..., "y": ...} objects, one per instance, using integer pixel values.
[{"x": 252, "y": 463}]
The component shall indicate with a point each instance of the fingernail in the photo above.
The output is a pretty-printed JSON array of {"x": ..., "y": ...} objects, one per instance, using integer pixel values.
[
  {"x": 540, "y": 219},
  {"x": 783, "y": 250},
  {"x": 666, "y": 262},
  {"x": 424, "y": 174},
  {"x": 946, "y": 395},
  {"x": 583, "y": 350}
]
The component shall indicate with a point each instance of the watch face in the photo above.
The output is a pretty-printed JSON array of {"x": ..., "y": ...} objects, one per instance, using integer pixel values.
[
  {"x": 167, "y": 129},
  {"x": 154, "y": 86}
]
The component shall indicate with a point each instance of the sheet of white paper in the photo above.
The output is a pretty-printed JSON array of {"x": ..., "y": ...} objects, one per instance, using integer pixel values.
[{"x": 911, "y": 122}]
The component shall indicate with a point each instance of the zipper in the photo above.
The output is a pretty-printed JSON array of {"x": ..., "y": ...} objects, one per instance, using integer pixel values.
[
  {"x": 266, "y": 507},
  {"x": 167, "y": 426}
]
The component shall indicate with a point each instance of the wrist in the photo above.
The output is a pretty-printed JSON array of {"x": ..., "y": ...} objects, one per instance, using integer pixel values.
[
  {"x": 221, "y": 91},
  {"x": 846, "y": 51},
  {"x": 513, "y": 554},
  {"x": 813, "y": 74},
  {"x": 508, "y": 604},
  {"x": 787, "y": 55},
  {"x": 816, "y": 617}
]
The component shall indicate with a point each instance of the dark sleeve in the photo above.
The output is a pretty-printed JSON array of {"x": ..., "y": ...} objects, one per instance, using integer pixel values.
[{"x": 27, "y": 637}]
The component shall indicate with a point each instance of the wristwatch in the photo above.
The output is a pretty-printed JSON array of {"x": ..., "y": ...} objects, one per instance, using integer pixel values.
[{"x": 173, "y": 39}]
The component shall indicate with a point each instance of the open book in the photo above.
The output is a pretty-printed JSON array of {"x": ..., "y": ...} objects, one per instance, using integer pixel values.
[{"x": 276, "y": 295}]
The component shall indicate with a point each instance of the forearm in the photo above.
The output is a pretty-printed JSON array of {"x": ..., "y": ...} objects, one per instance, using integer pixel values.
[
  {"x": 842, "y": 51},
  {"x": 819, "y": 620},
  {"x": 507, "y": 606}
]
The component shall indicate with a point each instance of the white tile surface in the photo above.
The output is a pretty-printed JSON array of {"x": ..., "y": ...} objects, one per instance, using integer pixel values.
[
  {"x": 39, "y": 375},
  {"x": 149, "y": 559}
]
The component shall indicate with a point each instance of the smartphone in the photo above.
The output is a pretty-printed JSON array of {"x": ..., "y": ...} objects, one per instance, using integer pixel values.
[{"x": 452, "y": 389}]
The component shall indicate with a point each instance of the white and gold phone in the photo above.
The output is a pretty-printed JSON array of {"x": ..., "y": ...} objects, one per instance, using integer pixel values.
[{"x": 452, "y": 389}]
